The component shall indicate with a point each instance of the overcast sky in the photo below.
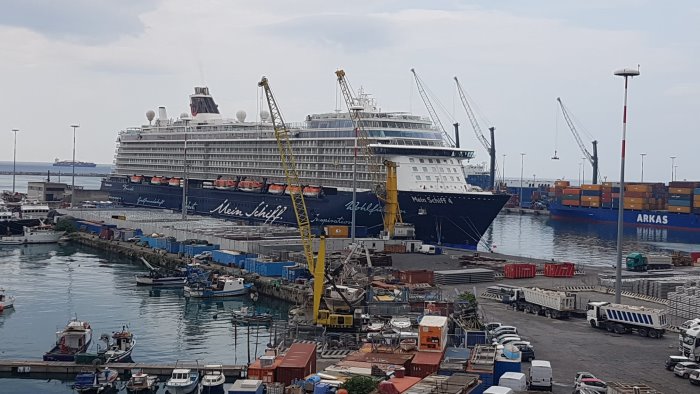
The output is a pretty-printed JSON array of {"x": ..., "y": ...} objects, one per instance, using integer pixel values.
[{"x": 103, "y": 64}]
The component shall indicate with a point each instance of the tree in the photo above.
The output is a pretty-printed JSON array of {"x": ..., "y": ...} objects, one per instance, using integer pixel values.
[
  {"x": 65, "y": 225},
  {"x": 360, "y": 385}
]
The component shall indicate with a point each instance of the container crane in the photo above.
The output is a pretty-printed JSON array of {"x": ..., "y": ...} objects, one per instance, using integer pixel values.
[
  {"x": 390, "y": 197},
  {"x": 431, "y": 110},
  {"x": 592, "y": 158},
  {"x": 316, "y": 266},
  {"x": 490, "y": 147}
]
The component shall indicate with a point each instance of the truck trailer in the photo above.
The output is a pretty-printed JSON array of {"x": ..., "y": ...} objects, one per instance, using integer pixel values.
[
  {"x": 554, "y": 304},
  {"x": 622, "y": 319}
]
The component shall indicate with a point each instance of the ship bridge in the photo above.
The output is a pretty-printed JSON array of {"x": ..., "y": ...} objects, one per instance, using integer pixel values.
[{"x": 412, "y": 150}]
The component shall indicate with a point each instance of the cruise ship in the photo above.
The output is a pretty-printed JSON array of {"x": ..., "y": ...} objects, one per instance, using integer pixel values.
[{"x": 233, "y": 170}]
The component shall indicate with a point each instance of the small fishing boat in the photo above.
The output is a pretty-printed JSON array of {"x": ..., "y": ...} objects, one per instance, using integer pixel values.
[
  {"x": 141, "y": 382},
  {"x": 213, "y": 379},
  {"x": 73, "y": 339},
  {"x": 95, "y": 382},
  {"x": 120, "y": 348},
  {"x": 156, "y": 278},
  {"x": 183, "y": 380},
  {"x": 249, "y": 317},
  {"x": 221, "y": 286},
  {"x": 6, "y": 301},
  {"x": 43, "y": 234}
]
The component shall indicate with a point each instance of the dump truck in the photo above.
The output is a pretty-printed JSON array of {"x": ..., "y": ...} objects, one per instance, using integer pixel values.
[
  {"x": 640, "y": 262},
  {"x": 622, "y": 319},
  {"x": 554, "y": 304}
]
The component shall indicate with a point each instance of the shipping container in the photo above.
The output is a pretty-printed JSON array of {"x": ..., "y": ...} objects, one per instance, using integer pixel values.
[
  {"x": 425, "y": 363},
  {"x": 680, "y": 190},
  {"x": 575, "y": 203},
  {"x": 337, "y": 231},
  {"x": 559, "y": 270},
  {"x": 265, "y": 368},
  {"x": 572, "y": 190},
  {"x": 561, "y": 184},
  {"x": 244, "y": 386},
  {"x": 432, "y": 334},
  {"x": 680, "y": 203},
  {"x": 299, "y": 361},
  {"x": 678, "y": 209},
  {"x": 591, "y": 187},
  {"x": 518, "y": 271},
  {"x": 415, "y": 276},
  {"x": 590, "y": 198}
]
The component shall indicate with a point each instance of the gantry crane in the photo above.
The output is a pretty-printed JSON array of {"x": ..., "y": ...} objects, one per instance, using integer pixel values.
[
  {"x": 390, "y": 197},
  {"x": 490, "y": 147},
  {"x": 431, "y": 110},
  {"x": 315, "y": 266},
  {"x": 592, "y": 158}
]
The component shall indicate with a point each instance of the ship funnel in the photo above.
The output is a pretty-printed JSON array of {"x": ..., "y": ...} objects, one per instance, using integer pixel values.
[
  {"x": 162, "y": 114},
  {"x": 240, "y": 116}
]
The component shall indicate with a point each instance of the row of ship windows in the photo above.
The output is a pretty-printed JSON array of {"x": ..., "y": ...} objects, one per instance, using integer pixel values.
[
  {"x": 348, "y": 133},
  {"x": 347, "y": 123},
  {"x": 437, "y": 178},
  {"x": 434, "y": 169},
  {"x": 436, "y": 161}
]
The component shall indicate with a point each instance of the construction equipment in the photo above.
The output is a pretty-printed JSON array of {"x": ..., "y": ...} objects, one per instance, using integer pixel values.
[
  {"x": 390, "y": 196},
  {"x": 429, "y": 105},
  {"x": 315, "y": 266},
  {"x": 490, "y": 147},
  {"x": 592, "y": 158}
]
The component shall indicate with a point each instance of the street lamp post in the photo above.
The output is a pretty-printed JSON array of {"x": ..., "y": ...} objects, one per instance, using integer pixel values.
[
  {"x": 627, "y": 73},
  {"x": 72, "y": 187},
  {"x": 184, "y": 175},
  {"x": 14, "y": 160},
  {"x": 583, "y": 170},
  {"x": 642, "y": 155},
  {"x": 522, "y": 160},
  {"x": 504, "y": 170},
  {"x": 673, "y": 164}
]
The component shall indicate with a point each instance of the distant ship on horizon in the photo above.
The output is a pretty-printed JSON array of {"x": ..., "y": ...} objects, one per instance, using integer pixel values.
[{"x": 69, "y": 163}]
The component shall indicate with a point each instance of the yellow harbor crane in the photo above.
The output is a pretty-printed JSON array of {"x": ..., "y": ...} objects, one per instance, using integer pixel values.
[
  {"x": 316, "y": 266},
  {"x": 390, "y": 194}
]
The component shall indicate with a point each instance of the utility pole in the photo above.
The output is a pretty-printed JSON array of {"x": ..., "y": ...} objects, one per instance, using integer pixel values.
[
  {"x": 626, "y": 73},
  {"x": 504, "y": 170},
  {"x": 522, "y": 160},
  {"x": 184, "y": 177},
  {"x": 14, "y": 161},
  {"x": 642, "y": 155},
  {"x": 72, "y": 190}
]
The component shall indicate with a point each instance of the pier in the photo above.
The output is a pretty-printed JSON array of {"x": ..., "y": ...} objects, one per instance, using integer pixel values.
[{"x": 31, "y": 368}]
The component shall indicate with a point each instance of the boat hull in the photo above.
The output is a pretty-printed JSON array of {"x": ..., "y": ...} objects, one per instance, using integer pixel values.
[
  {"x": 639, "y": 218},
  {"x": 55, "y": 354},
  {"x": 160, "y": 282},
  {"x": 216, "y": 389},
  {"x": 457, "y": 220},
  {"x": 206, "y": 293}
]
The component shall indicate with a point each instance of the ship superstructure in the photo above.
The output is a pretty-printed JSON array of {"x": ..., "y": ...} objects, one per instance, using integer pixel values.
[{"x": 234, "y": 169}]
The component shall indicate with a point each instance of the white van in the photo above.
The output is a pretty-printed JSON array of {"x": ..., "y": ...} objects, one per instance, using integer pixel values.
[
  {"x": 514, "y": 380},
  {"x": 427, "y": 249},
  {"x": 540, "y": 375},
  {"x": 499, "y": 390}
]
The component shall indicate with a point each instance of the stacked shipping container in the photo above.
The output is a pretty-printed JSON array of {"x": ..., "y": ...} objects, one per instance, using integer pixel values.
[
  {"x": 681, "y": 196},
  {"x": 590, "y": 195}
]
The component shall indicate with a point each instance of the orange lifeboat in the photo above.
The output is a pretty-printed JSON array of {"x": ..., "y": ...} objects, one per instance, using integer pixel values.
[
  {"x": 156, "y": 180},
  {"x": 250, "y": 186},
  {"x": 312, "y": 191},
  {"x": 174, "y": 182},
  {"x": 276, "y": 188},
  {"x": 225, "y": 184},
  {"x": 293, "y": 189},
  {"x": 136, "y": 178}
]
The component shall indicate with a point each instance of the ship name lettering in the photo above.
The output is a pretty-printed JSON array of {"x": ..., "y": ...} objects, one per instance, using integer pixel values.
[
  {"x": 655, "y": 219},
  {"x": 150, "y": 202},
  {"x": 432, "y": 200},
  {"x": 224, "y": 209},
  {"x": 125, "y": 187},
  {"x": 261, "y": 211},
  {"x": 366, "y": 207}
]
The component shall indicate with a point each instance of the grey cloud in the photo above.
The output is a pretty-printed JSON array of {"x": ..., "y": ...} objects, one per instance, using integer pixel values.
[
  {"x": 348, "y": 32},
  {"x": 85, "y": 21}
]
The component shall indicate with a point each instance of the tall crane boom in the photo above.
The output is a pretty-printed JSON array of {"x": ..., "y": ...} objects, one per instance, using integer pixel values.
[
  {"x": 431, "y": 110},
  {"x": 490, "y": 147},
  {"x": 592, "y": 158},
  {"x": 317, "y": 268}
]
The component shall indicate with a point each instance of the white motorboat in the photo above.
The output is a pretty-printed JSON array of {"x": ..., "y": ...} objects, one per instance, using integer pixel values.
[
  {"x": 34, "y": 235},
  {"x": 6, "y": 301},
  {"x": 73, "y": 339},
  {"x": 213, "y": 379},
  {"x": 221, "y": 286},
  {"x": 141, "y": 382},
  {"x": 183, "y": 380},
  {"x": 120, "y": 348}
]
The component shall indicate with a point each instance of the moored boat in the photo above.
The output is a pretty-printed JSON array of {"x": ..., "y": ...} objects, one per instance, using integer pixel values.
[
  {"x": 220, "y": 286},
  {"x": 121, "y": 346},
  {"x": 140, "y": 382},
  {"x": 73, "y": 339},
  {"x": 95, "y": 382},
  {"x": 249, "y": 317},
  {"x": 42, "y": 234},
  {"x": 6, "y": 301},
  {"x": 156, "y": 278},
  {"x": 213, "y": 379},
  {"x": 183, "y": 380}
]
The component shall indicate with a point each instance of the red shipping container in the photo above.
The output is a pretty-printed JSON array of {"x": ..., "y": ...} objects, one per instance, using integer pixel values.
[
  {"x": 518, "y": 271},
  {"x": 425, "y": 363},
  {"x": 559, "y": 270},
  {"x": 299, "y": 362},
  {"x": 694, "y": 256},
  {"x": 416, "y": 276}
]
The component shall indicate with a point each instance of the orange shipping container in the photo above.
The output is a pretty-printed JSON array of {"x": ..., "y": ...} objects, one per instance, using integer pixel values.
[
  {"x": 673, "y": 208},
  {"x": 432, "y": 334},
  {"x": 594, "y": 204},
  {"x": 590, "y": 198},
  {"x": 572, "y": 190},
  {"x": 337, "y": 231},
  {"x": 638, "y": 188},
  {"x": 696, "y": 197},
  {"x": 634, "y": 200},
  {"x": 636, "y": 206},
  {"x": 561, "y": 183},
  {"x": 680, "y": 190},
  {"x": 575, "y": 203},
  {"x": 264, "y": 368},
  {"x": 591, "y": 187}
]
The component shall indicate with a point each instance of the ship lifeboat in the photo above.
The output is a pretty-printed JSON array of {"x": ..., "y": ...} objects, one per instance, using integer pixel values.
[
  {"x": 156, "y": 180},
  {"x": 225, "y": 184},
  {"x": 276, "y": 188},
  {"x": 312, "y": 191},
  {"x": 174, "y": 182},
  {"x": 136, "y": 178},
  {"x": 293, "y": 189},
  {"x": 250, "y": 186}
]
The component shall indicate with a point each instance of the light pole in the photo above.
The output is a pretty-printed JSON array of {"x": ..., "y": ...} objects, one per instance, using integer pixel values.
[
  {"x": 627, "y": 73},
  {"x": 356, "y": 112},
  {"x": 522, "y": 160},
  {"x": 14, "y": 160},
  {"x": 184, "y": 176},
  {"x": 673, "y": 164},
  {"x": 504, "y": 170},
  {"x": 675, "y": 172},
  {"x": 583, "y": 170},
  {"x": 72, "y": 187},
  {"x": 580, "y": 165},
  {"x": 642, "y": 155}
]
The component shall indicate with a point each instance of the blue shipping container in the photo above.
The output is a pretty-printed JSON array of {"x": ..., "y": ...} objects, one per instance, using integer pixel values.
[
  {"x": 502, "y": 367},
  {"x": 680, "y": 203}
]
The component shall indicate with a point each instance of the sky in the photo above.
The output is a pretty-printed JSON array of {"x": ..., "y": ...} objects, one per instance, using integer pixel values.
[{"x": 103, "y": 64}]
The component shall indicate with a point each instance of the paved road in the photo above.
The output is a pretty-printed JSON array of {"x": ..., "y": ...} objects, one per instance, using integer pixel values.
[{"x": 572, "y": 345}]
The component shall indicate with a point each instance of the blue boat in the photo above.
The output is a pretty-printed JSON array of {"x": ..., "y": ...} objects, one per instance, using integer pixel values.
[{"x": 95, "y": 382}]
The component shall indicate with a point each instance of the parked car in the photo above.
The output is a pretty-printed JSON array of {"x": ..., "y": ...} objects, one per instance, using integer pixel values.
[
  {"x": 505, "y": 335},
  {"x": 507, "y": 340},
  {"x": 527, "y": 352},
  {"x": 591, "y": 385},
  {"x": 582, "y": 375},
  {"x": 694, "y": 377},
  {"x": 206, "y": 255},
  {"x": 504, "y": 330},
  {"x": 671, "y": 361},
  {"x": 489, "y": 327},
  {"x": 684, "y": 368}
]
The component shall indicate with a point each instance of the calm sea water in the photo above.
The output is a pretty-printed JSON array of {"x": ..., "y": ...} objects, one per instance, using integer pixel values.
[{"x": 62, "y": 174}]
